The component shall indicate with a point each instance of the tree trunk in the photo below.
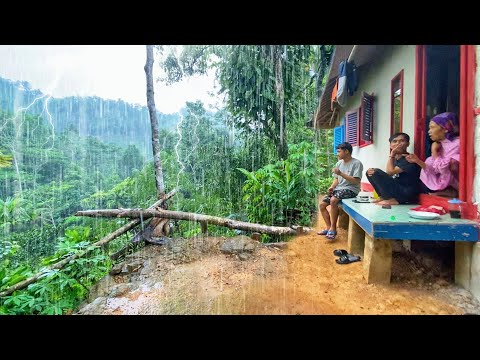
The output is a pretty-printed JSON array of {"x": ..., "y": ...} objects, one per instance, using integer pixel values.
[
  {"x": 154, "y": 123},
  {"x": 232, "y": 224},
  {"x": 280, "y": 103}
]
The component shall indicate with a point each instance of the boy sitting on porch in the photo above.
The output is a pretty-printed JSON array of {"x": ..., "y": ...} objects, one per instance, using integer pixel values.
[
  {"x": 400, "y": 184},
  {"x": 347, "y": 174}
]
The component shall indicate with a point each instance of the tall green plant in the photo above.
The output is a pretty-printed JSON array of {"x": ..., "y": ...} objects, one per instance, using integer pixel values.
[
  {"x": 12, "y": 212},
  {"x": 286, "y": 191}
]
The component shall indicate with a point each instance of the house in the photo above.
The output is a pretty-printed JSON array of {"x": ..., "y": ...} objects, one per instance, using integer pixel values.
[{"x": 400, "y": 87}]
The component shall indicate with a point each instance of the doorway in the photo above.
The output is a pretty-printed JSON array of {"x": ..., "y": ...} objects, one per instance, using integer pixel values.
[
  {"x": 445, "y": 79},
  {"x": 442, "y": 84}
]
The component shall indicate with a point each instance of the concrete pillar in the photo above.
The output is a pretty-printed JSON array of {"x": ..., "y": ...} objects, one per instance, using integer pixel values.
[
  {"x": 377, "y": 260},
  {"x": 343, "y": 219},
  {"x": 356, "y": 238},
  {"x": 463, "y": 263},
  {"x": 475, "y": 271}
]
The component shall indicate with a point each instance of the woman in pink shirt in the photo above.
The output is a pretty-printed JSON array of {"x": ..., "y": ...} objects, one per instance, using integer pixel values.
[{"x": 439, "y": 172}]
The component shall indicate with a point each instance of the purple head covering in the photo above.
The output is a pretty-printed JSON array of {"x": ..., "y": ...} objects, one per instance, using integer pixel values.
[{"x": 448, "y": 121}]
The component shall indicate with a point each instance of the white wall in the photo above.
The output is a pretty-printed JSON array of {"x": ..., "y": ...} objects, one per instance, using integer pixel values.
[{"x": 377, "y": 79}]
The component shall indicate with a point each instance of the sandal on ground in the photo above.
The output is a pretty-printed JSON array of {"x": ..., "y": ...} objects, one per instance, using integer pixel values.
[
  {"x": 347, "y": 259},
  {"x": 331, "y": 235},
  {"x": 323, "y": 232},
  {"x": 340, "y": 252}
]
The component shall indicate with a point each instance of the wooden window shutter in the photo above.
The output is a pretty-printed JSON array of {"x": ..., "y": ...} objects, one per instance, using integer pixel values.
[
  {"x": 338, "y": 135},
  {"x": 366, "y": 120},
  {"x": 351, "y": 125}
]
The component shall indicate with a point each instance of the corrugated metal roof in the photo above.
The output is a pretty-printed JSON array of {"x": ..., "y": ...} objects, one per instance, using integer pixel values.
[{"x": 326, "y": 118}]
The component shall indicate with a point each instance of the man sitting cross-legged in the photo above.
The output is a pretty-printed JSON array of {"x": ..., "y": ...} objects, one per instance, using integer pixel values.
[
  {"x": 400, "y": 184},
  {"x": 347, "y": 174}
]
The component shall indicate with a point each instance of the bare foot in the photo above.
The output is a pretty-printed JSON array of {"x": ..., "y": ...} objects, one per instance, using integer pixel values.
[{"x": 449, "y": 192}]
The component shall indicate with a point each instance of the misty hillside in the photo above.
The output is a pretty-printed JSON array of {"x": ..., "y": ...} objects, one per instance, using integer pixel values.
[{"x": 111, "y": 121}]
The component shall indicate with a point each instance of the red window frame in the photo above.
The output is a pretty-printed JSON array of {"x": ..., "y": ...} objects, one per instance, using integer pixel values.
[{"x": 397, "y": 77}]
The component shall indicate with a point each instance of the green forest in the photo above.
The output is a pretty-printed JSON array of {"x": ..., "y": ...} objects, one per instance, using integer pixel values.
[{"x": 258, "y": 159}]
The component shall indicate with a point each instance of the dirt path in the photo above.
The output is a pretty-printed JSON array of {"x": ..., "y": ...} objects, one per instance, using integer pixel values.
[{"x": 301, "y": 279}]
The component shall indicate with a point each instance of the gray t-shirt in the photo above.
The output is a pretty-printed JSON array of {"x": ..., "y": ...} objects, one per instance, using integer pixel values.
[{"x": 353, "y": 168}]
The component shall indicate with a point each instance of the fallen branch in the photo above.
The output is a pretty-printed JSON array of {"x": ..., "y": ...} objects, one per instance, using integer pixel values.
[
  {"x": 103, "y": 241},
  {"x": 179, "y": 215},
  {"x": 143, "y": 234}
]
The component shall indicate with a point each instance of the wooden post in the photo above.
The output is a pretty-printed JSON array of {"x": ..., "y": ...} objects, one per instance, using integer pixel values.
[
  {"x": 377, "y": 260},
  {"x": 203, "y": 225},
  {"x": 356, "y": 238}
]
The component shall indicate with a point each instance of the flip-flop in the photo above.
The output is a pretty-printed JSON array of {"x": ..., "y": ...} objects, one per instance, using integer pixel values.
[
  {"x": 340, "y": 252},
  {"x": 323, "y": 232},
  {"x": 331, "y": 235},
  {"x": 347, "y": 259}
]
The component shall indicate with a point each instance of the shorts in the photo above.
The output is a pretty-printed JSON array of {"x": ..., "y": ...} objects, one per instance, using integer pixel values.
[{"x": 340, "y": 194}]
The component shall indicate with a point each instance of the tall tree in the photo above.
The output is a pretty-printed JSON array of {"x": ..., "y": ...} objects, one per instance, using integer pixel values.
[
  {"x": 266, "y": 86},
  {"x": 282, "y": 148},
  {"x": 154, "y": 122}
]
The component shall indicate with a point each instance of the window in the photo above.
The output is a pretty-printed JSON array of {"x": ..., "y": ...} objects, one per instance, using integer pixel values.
[
  {"x": 366, "y": 120},
  {"x": 397, "y": 104},
  {"x": 359, "y": 123},
  {"x": 338, "y": 135}
]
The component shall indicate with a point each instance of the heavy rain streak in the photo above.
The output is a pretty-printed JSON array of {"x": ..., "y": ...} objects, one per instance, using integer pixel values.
[{"x": 234, "y": 129}]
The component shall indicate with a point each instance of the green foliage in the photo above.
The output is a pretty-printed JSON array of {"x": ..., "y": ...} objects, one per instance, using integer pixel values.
[
  {"x": 258, "y": 81},
  {"x": 284, "y": 192},
  {"x": 34, "y": 244},
  {"x": 57, "y": 291},
  {"x": 136, "y": 191},
  {"x": 71, "y": 165},
  {"x": 132, "y": 160},
  {"x": 7, "y": 250},
  {"x": 5, "y": 160},
  {"x": 192, "y": 60},
  {"x": 12, "y": 213},
  {"x": 324, "y": 184}
]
